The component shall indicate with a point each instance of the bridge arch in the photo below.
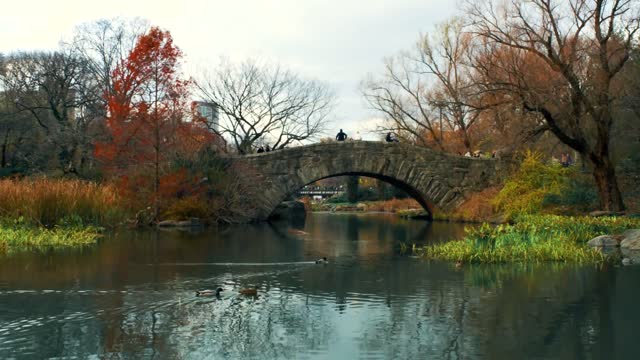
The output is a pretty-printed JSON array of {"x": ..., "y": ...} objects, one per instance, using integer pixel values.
[
  {"x": 414, "y": 193},
  {"x": 438, "y": 181}
]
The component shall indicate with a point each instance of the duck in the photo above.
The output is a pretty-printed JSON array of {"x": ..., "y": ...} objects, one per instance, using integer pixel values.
[
  {"x": 459, "y": 264},
  {"x": 215, "y": 292},
  {"x": 323, "y": 260},
  {"x": 249, "y": 291}
]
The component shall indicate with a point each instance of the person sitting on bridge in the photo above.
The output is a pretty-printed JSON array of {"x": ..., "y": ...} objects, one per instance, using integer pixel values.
[
  {"x": 391, "y": 138},
  {"x": 267, "y": 148},
  {"x": 342, "y": 136},
  {"x": 260, "y": 150}
]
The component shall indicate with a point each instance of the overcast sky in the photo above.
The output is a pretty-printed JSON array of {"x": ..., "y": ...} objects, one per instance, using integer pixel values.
[{"x": 336, "y": 41}]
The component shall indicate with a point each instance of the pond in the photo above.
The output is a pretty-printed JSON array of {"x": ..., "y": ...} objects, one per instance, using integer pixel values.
[{"x": 133, "y": 296}]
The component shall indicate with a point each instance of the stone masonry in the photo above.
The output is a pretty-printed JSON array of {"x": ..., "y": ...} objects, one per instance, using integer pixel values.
[{"x": 438, "y": 181}]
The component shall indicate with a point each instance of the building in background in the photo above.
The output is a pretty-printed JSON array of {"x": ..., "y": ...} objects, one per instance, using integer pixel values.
[{"x": 209, "y": 111}]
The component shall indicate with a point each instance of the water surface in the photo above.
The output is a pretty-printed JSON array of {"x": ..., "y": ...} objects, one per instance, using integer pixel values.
[{"x": 132, "y": 296}]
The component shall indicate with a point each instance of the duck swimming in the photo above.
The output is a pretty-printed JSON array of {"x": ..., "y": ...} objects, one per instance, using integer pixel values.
[
  {"x": 322, "y": 261},
  {"x": 459, "y": 264},
  {"x": 249, "y": 291},
  {"x": 215, "y": 292}
]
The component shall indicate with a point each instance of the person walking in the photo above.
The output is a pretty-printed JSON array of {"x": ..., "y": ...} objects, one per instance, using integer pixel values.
[{"x": 342, "y": 136}]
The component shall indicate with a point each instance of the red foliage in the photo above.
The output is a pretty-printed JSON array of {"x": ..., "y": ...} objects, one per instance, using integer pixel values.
[{"x": 149, "y": 118}]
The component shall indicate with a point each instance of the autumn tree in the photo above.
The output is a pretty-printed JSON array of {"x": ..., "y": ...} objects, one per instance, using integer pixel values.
[
  {"x": 103, "y": 44},
  {"x": 427, "y": 94},
  {"x": 263, "y": 103},
  {"x": 148, "y": 116},
  {"x": 562, "y": 61}
]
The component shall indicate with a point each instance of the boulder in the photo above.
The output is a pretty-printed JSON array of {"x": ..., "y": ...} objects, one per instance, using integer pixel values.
[
  {"x": 631, "y": 239},
  {"x": 603, "y": 241}
]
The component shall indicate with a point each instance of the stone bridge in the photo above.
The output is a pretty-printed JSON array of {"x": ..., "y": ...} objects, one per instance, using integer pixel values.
[{"x": 437, "y": 180}]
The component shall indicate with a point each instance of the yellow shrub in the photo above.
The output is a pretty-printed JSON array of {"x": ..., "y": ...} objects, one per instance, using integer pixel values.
[{"x": 527, "y": 189}]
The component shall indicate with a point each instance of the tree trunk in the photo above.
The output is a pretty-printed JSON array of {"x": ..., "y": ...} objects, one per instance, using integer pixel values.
[
  {"x": 608, "y": 191},
  {"x": 3, "y": 162},
  {"x": 381, "y": 187}
]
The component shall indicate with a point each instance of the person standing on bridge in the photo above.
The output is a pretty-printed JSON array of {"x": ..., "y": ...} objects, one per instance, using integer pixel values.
[{"x": 342, "y": 136}]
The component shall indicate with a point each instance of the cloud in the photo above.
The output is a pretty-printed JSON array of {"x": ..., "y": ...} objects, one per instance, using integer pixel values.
[{"x": 336, "y": 41}]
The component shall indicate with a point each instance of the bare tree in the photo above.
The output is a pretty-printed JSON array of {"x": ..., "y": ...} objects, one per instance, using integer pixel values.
[
  {"x": 260, "y": 103},
  {"x": 429, "y": 91},
  {"x": 103, "y": 44},
  {"x": 54, "y": 90},
  {"x": 561, "y": 60},
  {"x": 63, "y": 93}
]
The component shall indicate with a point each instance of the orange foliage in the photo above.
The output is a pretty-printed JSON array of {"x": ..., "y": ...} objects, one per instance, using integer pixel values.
[
  {"x": 148, "y": 122},
  {"x": 478, "y": 207}
]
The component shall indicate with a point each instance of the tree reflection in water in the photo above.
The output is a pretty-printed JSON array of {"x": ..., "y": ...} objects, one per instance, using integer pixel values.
[{"x": 133, "y": 296}]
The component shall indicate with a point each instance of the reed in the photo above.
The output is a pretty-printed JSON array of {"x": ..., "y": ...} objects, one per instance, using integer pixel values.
[{"x": 50, "y": 202}]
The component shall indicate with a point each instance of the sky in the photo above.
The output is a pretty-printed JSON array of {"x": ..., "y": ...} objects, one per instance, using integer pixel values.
[{"x": 336, "y": 41}]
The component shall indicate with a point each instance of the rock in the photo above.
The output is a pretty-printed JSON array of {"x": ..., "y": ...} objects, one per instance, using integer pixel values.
[
  {"x": 603, "y": 241},
  {"x": 632, "y": 257},
  {"x": 413, "y": 214},
  {"x": 601, "y": 213},
  {"x": 631, "y": 239},
  {"x": 193, "y": 222}
]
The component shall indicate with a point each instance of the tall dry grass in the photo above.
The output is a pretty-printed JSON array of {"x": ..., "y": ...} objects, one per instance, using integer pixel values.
[{"x": 50, "y": 202}]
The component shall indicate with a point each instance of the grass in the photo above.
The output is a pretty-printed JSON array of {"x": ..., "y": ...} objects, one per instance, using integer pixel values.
[
  {"x": 532, "y": 239},
  {"x": 44, "y": 214},
  {"x": 49, "y": 202},
  {"x": 21, "y": 237}
]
